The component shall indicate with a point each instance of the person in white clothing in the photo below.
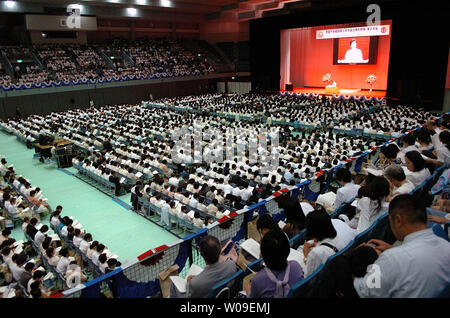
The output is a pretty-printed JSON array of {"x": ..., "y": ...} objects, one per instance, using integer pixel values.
[
  {"x": 344, "y": 232},
  {"x": 77, "y": 239},
  {"x": 415, "y": 164},
  {"x": 321, "y": 240},
  {"x": 53, "y": 259},
  {"x": 85, "y": 243},
  {"x": 409, "y": 142},
  {"x": 348, "y": 191},
  {"x": 398, "y": 182},
  {"x": 442, "y": 153},
  {"x": 40, "y": 235},
  {"x": 373, "y": 203},
  {"x": 64, "y": 261},
  {"x": 418, "y": 268},
  {"x": 353, "y": 55}
]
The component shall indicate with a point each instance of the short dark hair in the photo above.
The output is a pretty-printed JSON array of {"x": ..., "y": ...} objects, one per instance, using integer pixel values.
[
  {"x": 36, "y": 293},
  {"x": 343, "y": 174},
  {"x": 417, "y": 160},
  {"x": 409, "y": 206},
  {"x": 275, "y": 249},
  {"x": 6, "y": 232},
  {"x": 102, "y": 258},
  {"x": 111, "y": 262},
  {"x": 29, "y": 266},
  {"x": 360, "y": 258},
  {"x": 266, "y": 221},
  {"x": 210, "y": 249},
  {"x": 38, "y": 274},
  {"x": 410, "y": 139},
  {"x": 390, "y": 151},
  {"x": 64, "y": 252},
  {"x": 318, "y": 225}
]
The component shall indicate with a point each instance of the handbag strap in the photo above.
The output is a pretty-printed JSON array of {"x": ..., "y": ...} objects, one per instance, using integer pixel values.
[{"x": 330, "y": 246}]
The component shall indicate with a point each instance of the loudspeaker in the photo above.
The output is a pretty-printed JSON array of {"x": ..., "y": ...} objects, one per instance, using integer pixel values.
[{"x": 289, "y": 87}]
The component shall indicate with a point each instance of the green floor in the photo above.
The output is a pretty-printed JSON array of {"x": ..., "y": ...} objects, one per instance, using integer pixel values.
[{"x": 122, "y": 231}]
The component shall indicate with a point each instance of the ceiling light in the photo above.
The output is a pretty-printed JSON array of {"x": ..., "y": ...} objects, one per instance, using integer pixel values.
[
  {"x": 131, "y": 11},
  {"x": 10, "y": 4},
  {"x": 166, "y": 3}
]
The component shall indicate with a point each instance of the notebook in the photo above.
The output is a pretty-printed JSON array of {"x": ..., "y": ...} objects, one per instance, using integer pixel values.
[
  {"x": 180, "y": 282},
  {"x": 375, "y": 172},
  {"x": 326, "y": 199},
  {"x": 54, "y": 237},
  {"x": 191, "y": 214},
  {"x": 251, "y": 247},
  {"x": 18, "y": 201}
]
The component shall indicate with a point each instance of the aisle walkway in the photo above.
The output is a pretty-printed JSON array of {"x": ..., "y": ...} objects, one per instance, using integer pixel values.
[{"x": 124, "y": 233}]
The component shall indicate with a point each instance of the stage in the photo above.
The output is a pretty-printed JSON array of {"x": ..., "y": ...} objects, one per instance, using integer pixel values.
[{"x": 343, "y": 92}]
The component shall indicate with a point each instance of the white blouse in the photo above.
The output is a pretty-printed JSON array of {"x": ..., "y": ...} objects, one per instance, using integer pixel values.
[
  {"x": 369, "y": 212},
  {"x": 417, "y": 177}
]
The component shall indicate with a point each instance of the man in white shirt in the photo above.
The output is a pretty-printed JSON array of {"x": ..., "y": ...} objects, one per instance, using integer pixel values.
[
  {"x": 417, "y": 268},
  {"x": 85, "y": 243},
  {"x": 348, "y": 191},
  {"x": 77, "y": 239},
  {"x": 194, "y": 200},
  {"x": 40, "y": 235},
  {"x": 64, "y": 261}
]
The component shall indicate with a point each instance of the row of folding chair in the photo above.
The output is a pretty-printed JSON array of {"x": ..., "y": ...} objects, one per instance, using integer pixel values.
[
  {"x": 106, "y": 183},
  {"x": 180, "y": 224}
]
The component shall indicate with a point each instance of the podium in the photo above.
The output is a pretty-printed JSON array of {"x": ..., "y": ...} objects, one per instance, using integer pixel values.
[{"x": 332, "y": 89}]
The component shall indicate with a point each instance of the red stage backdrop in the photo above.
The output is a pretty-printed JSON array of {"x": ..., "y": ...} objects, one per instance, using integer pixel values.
[{"x": 305, "y": 59}]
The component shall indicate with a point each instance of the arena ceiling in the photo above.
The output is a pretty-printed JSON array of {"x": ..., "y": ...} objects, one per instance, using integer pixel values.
[{"x": 210, "y": 9}]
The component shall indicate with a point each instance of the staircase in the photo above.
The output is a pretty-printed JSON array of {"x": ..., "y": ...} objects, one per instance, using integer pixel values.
[
  {"x": 8, "y": 67},
  {"x": 107, "y": 59}
]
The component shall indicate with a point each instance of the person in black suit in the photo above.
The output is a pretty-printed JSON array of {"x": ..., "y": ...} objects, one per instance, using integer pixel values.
[
  {"x": 30, "y": 229},
  {"x": 115, "y": 179},
  {"x": 107, "y": 147},
  {"x": 135, "y": 195}
]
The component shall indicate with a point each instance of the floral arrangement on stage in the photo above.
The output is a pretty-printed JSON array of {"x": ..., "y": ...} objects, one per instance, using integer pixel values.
[
  {"x": 371, "y": 79},
  {"x": 326, "y": 78}
]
